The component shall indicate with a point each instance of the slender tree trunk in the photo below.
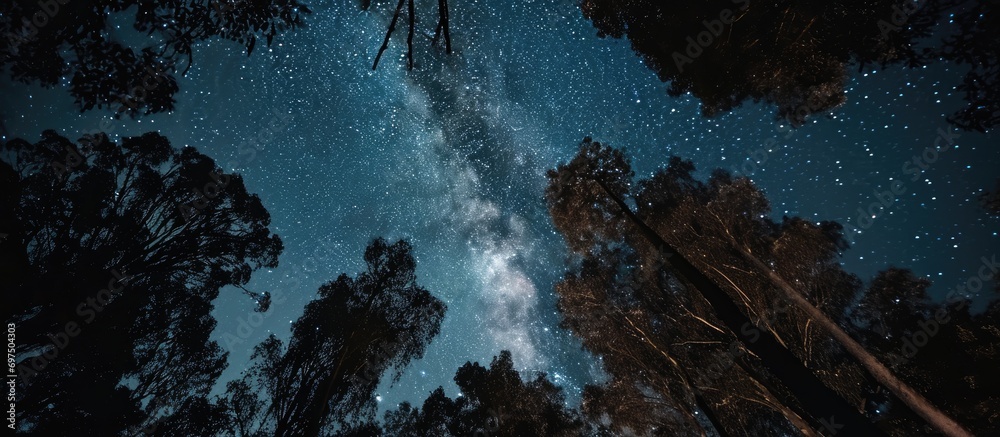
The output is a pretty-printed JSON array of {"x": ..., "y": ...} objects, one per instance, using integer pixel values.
[
  {"x": 388, "y": 34},
  {"x": 913, "y": 399}
]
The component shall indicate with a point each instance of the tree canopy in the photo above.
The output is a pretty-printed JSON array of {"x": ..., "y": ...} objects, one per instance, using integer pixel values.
[
  {"x": 797, "y": 56},
  {"x": 665, "y": 340},
  {"x": 494, "y": 401},
  {"x": 60, "y": 43},
  {"x": 109, "y": 279},
  {"x": 357, "y": 330}
]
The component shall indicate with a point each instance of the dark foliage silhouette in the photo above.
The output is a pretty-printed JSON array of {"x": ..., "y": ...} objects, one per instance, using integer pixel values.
[
  {"x": 356, "y": 331},
  {"x": 48, "y": 42},
  {"x": 797, "y": 56},
  {"x": 108, "y": 281},
  {"x": 991, "y": 200},
  {"x": 976, "y": 44},
  {"x": 943, "y": 347},
  {"x": 494, "y": 401}
]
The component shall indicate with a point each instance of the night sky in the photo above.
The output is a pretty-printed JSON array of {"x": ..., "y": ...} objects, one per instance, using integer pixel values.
[{"x": 452, "y": 156}]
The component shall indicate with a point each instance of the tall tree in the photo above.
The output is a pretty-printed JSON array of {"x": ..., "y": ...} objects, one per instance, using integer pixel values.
[
  {"x": 722, "y": 228},
  {"x": 495, "y": 401},
  {"x": 585, "y": 201},
  {"x": 673, "y": 366},
  {"x": 47, "y": 41},
  {"x": 357, "y": 330},
  {"x": 943, "y": 347},
  {"x": 111, "y": 282}
]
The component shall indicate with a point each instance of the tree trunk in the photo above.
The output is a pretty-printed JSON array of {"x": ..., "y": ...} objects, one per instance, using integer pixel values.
[
  {"x": 913, "y": 399},
  {"x": 828, "y": 409}
]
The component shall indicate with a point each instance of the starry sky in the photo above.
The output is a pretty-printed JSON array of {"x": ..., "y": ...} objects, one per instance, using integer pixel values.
[{"x": 452, "y": 157}]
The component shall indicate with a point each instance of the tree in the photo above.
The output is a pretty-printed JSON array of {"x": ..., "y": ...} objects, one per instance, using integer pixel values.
[
  {"x": 975, "y": 44},
  {"x": 673, "y": 367},
  {"x": 195, "y": 416},
  {"x": 494, "y": 401},
  {"x": 442, "y": 28},
  {"x": 355, "y": 331},
  {"x": 797, "y": 56},
  {"x": 722, "y": 227},
  {"x": 110, "y": 282},
  {"x": 47, "y": 41},
  {"x": 176, "y": 364}
]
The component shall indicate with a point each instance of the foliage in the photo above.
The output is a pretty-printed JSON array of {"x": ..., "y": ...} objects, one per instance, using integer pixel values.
[
  {"x": 674, "y": 363},
  {"x": 57, "y": 42},
  {"x": 111, "y": 284},
  {"x": 494, "y": 401},
  {"x": 354, "y": 332}
]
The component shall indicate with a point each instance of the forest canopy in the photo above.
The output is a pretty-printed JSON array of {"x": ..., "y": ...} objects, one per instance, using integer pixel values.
[
  {"x": 798, "y": 56},
  {"x": 620, "y": 287}
]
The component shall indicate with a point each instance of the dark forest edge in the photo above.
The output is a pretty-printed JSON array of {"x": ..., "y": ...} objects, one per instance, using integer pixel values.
[
  {"x": 797, "y": 57},
  {"x": 111, "y": 283}
]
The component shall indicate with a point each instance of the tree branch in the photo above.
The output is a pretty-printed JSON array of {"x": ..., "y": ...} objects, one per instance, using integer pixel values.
[{"x": 388, "y": 33}]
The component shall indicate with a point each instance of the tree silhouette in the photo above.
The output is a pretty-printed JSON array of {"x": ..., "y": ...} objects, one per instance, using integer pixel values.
[
  {"x": 46, "y": 42},
  {"x": 494, "y": 401},
  {"x": 722, "y": 227},
  {"x": 110, "y": 284},
  {"x": 975, "y": 44},
  {"x": 348, "y": 338},
  {"x": 442, "y": 28},
  {"x": 195, "y": 416},
  {"x": 797, "y": 56}
]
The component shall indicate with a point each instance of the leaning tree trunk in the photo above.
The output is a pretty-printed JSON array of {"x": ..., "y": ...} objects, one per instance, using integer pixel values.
[
  {"x": 828, "y": 409},
  {"x": 913, "y": 399}
]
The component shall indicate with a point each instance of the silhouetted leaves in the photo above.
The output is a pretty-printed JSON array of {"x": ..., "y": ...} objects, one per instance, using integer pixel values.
[
  {"x": 49, "y": 41},
  {"x": 114, "y": 283},
  {"x": 796, "y": 56},
  {"x": 975, "y": 43},
  {"x": 944, "y": 348},
  {"x": 577, "y": 203},
  {"x": 352, "y": 334},
  {"x": 494, "y": 401},
  {"x": 991, "y": 200}
]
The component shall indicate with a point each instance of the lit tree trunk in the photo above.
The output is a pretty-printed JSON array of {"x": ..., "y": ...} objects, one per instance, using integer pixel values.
[
  {"x": 827, "y": 407},
  {"x": 917, "y": 402},
  {"x": 913, "y": 399}
]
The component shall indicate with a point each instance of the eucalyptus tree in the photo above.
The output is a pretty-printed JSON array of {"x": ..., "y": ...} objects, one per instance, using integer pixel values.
[
  {"x": 110, "y": 279},
  {"x": 705, "y": 256},
  {"x": 355, "y": 332}
]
